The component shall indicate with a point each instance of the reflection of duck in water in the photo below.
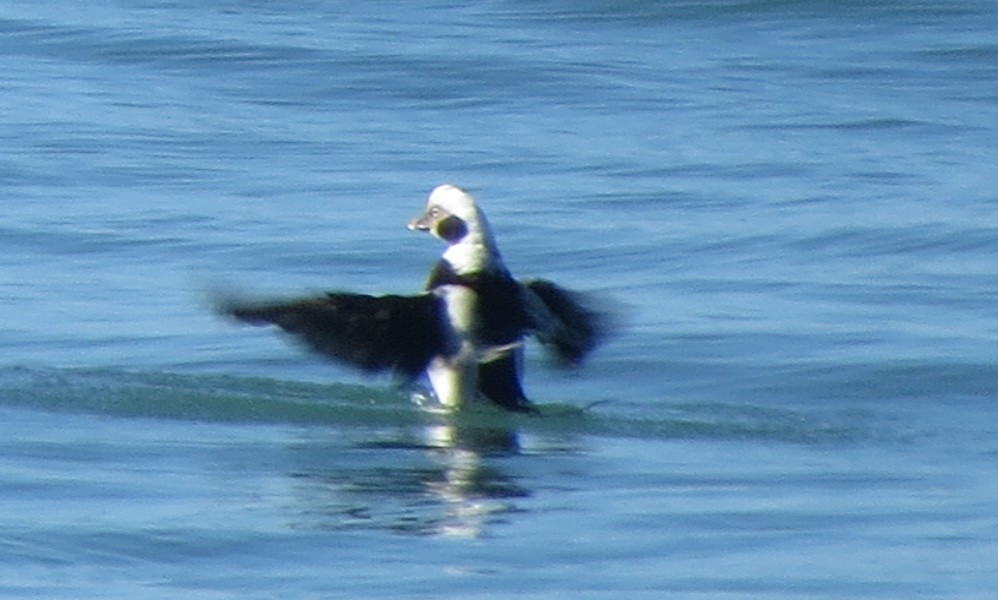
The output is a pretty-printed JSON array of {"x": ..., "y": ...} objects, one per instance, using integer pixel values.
[
  {"x": 446, "y": 477},
  {"x": 465, "y": 331},
  {"x": 473, "y": 491}
]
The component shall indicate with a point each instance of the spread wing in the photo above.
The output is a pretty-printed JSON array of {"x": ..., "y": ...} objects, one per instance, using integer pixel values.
[
  {"x": 569, "y": 323},
  {"x": 374, "y": 333}
]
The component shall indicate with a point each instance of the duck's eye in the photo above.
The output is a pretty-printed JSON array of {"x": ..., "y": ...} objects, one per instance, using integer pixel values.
[{"x": 434, "y": 212}]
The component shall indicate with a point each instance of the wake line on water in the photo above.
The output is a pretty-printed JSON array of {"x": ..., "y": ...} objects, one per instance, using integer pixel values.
[
  {"x": 210, "y": 398},
  {"x": 241, "y": 399}
]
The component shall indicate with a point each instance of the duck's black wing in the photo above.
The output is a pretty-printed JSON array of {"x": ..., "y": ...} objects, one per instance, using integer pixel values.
[
  {"x": 375, "y": 333},
  {"x": 570, "y": 323}
]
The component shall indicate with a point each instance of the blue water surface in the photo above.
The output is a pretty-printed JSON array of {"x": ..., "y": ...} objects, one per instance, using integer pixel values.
[{"x": 791, "y": 204}]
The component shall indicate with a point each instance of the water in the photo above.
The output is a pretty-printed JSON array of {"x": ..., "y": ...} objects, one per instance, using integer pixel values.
[{"x": 792, "y": 202}]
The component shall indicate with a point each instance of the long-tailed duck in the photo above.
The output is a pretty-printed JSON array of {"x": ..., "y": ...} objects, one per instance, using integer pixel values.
[{"x": 465, "y": 331}]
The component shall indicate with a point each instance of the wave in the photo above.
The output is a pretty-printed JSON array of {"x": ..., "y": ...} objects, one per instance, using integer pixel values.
[
  {"x": 209, "y": 398},
  {"x": 240, "y": 399},
  {"x": 654, "y": 12},
  {"x": 127, "y": 46}
]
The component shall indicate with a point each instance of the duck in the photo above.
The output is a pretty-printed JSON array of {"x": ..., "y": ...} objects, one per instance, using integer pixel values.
[{"x": 464, "y": 332}]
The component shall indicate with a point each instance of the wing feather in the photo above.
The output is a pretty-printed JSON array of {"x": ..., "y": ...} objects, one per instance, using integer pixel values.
[
  {"x": 569, "y": 323},
  {"x": 374, "y": 333}
]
